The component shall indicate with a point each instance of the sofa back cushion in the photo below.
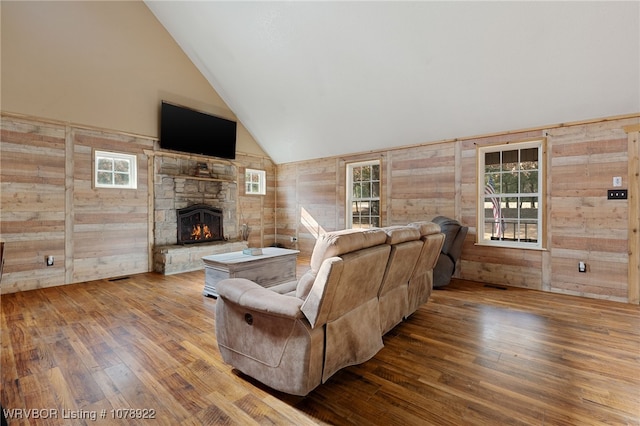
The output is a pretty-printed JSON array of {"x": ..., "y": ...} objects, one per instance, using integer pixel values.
[
  {"x": 335, "y": 244},
  {"x": 405, "y": 248},
  {"x": 433, "y": 239},
  {"x": 345, "y": 282}
]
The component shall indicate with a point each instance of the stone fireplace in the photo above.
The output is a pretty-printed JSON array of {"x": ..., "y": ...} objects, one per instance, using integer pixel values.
[{"x": 184, "y": 199}]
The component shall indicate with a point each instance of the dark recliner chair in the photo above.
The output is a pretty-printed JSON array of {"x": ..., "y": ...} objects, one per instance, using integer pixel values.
[{"x": 455, "y": 234}]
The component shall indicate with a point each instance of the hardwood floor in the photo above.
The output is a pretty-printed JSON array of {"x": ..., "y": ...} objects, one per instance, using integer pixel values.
[{"x": 472, "y": 355}]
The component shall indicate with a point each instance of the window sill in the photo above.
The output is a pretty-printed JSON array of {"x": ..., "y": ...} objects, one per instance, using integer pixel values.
[{"x": 509, "y": 246}]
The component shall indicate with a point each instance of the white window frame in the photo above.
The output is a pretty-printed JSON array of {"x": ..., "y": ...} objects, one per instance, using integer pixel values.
[
  {"x": 349, "y": 191},
  {"x": 488, "y": 201},
  {"x": 113, "y": 157},
  {"x": 255, "y": 182}
]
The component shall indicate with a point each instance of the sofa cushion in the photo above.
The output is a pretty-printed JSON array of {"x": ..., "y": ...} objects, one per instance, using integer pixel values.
[
  {"x": 426, "y": 228},
  {"x": 337, "y": 243},
  {"x": 400, "y": 234},
  {"x": 304, "y": 285},
  {"x": 450, "y": 228}
]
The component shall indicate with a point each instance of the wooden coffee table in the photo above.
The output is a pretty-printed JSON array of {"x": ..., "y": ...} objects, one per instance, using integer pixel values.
[{"x": 274, "y": 266}]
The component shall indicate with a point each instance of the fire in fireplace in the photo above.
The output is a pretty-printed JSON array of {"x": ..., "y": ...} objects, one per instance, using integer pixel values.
[{"x": 199, "y": 223}]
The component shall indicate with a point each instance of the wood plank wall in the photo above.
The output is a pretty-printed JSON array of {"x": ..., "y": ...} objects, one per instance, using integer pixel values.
[
  {"x": 309, "y": 202},
  {"x": 257, "y": 211},
  {"x": 585, "y": 226},
  {"x": 32, "y": 167},
  {"x": 49, "y": 205},
  {"x": 424, "y": 181},
  {"x": 110, "y": 226}
]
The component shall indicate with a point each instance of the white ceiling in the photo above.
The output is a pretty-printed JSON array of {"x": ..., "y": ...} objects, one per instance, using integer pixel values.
[{"x": 318, "y": 79}]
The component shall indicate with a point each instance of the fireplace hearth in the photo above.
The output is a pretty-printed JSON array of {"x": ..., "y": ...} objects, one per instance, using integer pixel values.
[{"x": 199, "y": 223}]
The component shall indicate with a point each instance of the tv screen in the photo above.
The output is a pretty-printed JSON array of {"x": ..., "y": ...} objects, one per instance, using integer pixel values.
[{"x": 186, "y": 130}]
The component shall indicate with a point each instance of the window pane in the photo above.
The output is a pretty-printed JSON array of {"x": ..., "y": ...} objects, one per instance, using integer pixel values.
[
  {"x": 366, "y": 173},
  {"x": 529, "y": 182},
  {"x": 492, "y": 159},
  {"x": 510, "y": 160},
  {"x": 122, "y": 166},
  {"x": 529, "y": 155},
  {"x": 375, "y": 208},
  {"x": 357, "y": 190},
  {"x": 121, "y": 178},
  {"x": 375, "y": 172},
  {"x": 105, "y": 164},
  {"x": 105, "y": 178},
  {"x": 529, "y": 230},
  {"x": 375, "y": 189},
  {"x": 365, "y": 208},
  {"x": 509, "y": 183},
  {"x": 366, "y": 190},
  {"x": 357, "y": 174},
  {"x": 492, "y": 229},
  {"x": 492, "y": 183}
]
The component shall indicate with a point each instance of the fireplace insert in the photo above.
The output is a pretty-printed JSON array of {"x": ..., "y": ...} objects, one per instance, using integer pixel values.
[{"x": 199, "y": 223}]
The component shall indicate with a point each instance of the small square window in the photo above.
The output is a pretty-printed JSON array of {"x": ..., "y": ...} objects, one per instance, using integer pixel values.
[
  {"x": 255, "y": 182},
  {"x": 115, "y": 170}
]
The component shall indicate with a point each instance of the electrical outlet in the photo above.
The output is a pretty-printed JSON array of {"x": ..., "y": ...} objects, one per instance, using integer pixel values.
[
  {"x": 582, "y": 267},
  {"x": 294, "y": 239},
  {"x": 49, "y": 260},
  {"x": 616, "y": 194}
]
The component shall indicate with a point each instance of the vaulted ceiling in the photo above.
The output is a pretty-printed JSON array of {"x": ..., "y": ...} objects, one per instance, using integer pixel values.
[{"x": 318, "y": 79}]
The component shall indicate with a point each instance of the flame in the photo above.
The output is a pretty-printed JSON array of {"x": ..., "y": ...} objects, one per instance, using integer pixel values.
[{"x": 201, "y": 232}]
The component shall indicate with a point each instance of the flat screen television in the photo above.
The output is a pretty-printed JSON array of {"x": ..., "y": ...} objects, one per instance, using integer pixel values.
[{"x": 187, "y": 130}]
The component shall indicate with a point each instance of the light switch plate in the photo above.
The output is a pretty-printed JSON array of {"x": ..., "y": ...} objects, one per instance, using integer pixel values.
[{"x": 617, "y": 181}]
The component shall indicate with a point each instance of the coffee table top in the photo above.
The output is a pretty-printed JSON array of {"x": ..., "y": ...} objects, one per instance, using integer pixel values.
[{"x": 240, "y": 257}]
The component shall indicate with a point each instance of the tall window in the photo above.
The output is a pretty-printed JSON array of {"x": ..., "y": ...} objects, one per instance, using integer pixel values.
[
  {"x": 115, "y": 170},
  {"x": 510, "y": 194},
  {"x": 363, "y": 194},
  {"x": 255, "y": 182}
]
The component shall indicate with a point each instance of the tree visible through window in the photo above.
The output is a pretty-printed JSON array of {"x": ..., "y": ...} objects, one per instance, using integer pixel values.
[
  {"x": 363, "y": 195},
  {"x": 510, "y": 197}
]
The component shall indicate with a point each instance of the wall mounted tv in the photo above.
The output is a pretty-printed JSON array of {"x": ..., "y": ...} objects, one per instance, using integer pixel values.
[{"x": 186, "y": 130}]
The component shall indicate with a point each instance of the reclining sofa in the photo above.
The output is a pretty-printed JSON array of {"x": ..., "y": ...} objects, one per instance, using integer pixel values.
[
  {"x": 455, "y": 234},
  {"x": 361, "y": 283}
]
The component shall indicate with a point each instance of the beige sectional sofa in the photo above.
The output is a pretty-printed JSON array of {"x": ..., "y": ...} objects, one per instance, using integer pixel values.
[{"x": 361, "y": 283}]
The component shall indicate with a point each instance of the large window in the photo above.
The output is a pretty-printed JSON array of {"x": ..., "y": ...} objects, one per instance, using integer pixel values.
[
  {"x": 363, "y": 195},
  {"x": 115, "y": 170},
  {"x": 510, "y": 194}
]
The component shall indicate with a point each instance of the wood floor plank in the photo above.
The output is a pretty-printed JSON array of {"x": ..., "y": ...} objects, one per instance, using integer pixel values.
[{"x": 472, "y": 355}]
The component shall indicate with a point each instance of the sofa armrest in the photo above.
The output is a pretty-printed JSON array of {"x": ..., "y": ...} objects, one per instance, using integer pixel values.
[{"x": 253, "y": 296}]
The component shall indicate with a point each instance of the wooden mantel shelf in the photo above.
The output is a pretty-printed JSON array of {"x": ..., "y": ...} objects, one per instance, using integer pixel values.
[
  {"x": 197, "y": 157},
  {"x": 210, "y": 179}
]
